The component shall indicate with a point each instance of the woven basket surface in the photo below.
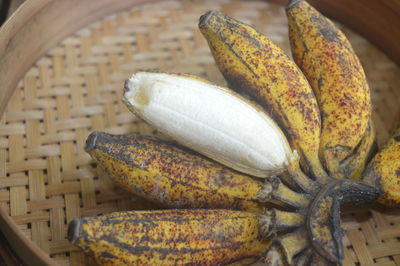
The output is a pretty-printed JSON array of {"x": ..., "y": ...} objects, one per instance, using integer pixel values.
[{"x": 46, "y": 178}]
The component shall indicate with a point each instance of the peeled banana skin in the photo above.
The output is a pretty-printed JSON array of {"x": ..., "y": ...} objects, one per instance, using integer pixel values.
[
  {"x": 171, "y": 237},
  {"x": 383, "y": 171},
  {"x": 355, "y": 163},
  {"x": 253, "y": 65},
  {"x": 173, "y": 176},
  {"x": 328, "y": 61}
]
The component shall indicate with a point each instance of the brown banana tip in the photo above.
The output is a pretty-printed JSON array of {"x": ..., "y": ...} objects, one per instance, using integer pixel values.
[
  {"x": 73, "y": 230},
  {"x": 205, "y": 17},
  {"x": 267, "y": 223},
  {"x": 292, "y": 3},
  {"x": 127, "y": 86},
  {"x": 91, "y": 141}
]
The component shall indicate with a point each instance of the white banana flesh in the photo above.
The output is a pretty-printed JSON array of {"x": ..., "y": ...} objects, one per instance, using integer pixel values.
[{"x": 211, "y": 120}]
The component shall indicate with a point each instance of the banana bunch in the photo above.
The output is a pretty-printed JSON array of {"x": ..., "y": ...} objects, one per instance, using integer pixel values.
[{"x": 246, "y": 180}]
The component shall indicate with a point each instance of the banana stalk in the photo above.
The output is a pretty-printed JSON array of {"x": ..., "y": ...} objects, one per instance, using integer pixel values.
[
  {"x": 211, "y": 120},
  {"x": 198, "y": 237},
  {"x": 284, "y": 250},
  {"x": 328, "y": 61},
  {"x": 253, "y": 65},
  {"x": 320, "y": 230}
]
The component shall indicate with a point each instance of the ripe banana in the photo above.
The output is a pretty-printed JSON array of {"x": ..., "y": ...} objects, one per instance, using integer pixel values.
[
  {"x": 211, "y": 120},
  {"x": 354, "y": 164},
  {"x": 383, "y": 171},
  {"x": 328, "y": 61},
  {"x": 172, "y": 237},
  {"x": 252, "y": 64},
  {"x": 158, "y": 171}
]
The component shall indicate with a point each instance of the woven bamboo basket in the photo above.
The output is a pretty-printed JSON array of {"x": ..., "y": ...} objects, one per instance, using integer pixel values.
[{"x": 62, "y": 67}]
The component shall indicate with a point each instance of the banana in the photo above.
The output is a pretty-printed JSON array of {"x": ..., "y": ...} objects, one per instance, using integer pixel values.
[
  {"x": 172, "y": 237},
  {"x": 252, "y": 64},
  {"x": 158, "y": 171},
  {"x": 354, "y": 164},
  {"x": 383, "y": 171},
  {"x": 211, "y": 120},
  {"x": 328, "y": 61}
]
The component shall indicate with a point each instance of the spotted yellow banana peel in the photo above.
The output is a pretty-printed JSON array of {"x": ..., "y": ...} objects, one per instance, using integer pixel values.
[
  {"x": 335, "y": 73},
  {"x": 252, "y": 64},
  {"x": 354, "y": 164},
  {"x": 172, "y": 237},
  {"x": 163, "y": 173},
  {"x": 383, "y": 171}
]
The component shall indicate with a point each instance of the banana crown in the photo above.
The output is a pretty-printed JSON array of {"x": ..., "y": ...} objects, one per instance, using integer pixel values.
[{"x": 229, "y": 129}]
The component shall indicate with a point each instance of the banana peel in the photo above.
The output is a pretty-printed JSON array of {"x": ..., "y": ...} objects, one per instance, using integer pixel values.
[
  {"x": 173, "y": 176},
  {"x": 171, "y": 237},
  {"x": 335, "y": 73}
]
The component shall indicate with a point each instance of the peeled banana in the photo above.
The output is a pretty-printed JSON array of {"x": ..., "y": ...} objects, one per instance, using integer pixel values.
[
  {"x": 328, "y": 61},
  {"x": 252, "y": 64},
  {"x": 211, "y": 120},
  {"x": 160, "y": 172},
  {"x": 172, "y": 237}
]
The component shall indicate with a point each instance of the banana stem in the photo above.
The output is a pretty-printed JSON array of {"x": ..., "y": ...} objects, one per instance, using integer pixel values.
[
  {"x": 323, "y": 217},
  {"x": 304, "y": 182}
]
